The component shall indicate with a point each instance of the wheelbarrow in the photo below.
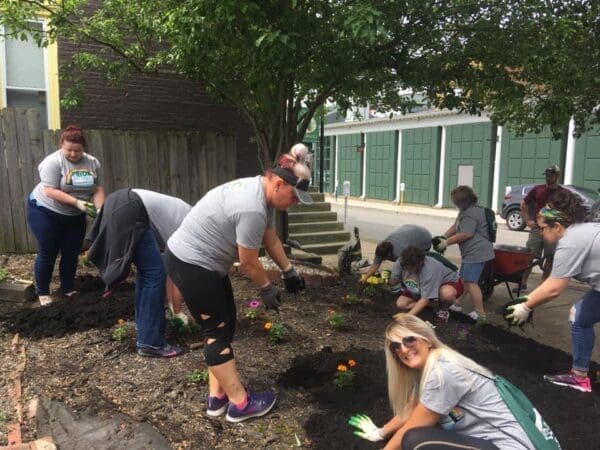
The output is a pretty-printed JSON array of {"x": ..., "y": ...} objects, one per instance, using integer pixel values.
[{"x": 508, "y": 266}]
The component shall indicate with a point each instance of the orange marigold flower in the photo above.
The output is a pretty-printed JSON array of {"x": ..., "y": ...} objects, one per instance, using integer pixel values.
[
  {"x": 351, "y": 362},
  {"x": 120, "y": 321},
  {"x": 342, "y": 368},
  {"x": 268, "y": 325}
]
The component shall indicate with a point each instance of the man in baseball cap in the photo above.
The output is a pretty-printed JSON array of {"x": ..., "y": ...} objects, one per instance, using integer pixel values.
[{"x": 535, "y": 199}]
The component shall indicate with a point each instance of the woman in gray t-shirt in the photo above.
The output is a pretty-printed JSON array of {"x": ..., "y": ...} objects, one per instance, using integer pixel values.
[
  {"x": 577, "y": 256},
  {"x": 69, "y": 188},
  {"x": 440, "y": 397},
  {"x": 471, "y": 234}
]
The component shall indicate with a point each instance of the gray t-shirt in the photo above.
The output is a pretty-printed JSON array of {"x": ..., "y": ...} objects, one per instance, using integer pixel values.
[
  {"x": 479, "y": 248},
  {"x": 577, "y": 254},
  {"x": 428, "y": 280},
  {"x": 165, "y": 213},
  {"x": 470, "y": 404},
  {"x": 230, "y": 215},
  {"x": 78, "y": 179},
  {"x": 405, "y": 236}
]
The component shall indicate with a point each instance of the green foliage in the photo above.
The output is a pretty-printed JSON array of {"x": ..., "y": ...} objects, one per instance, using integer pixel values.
[
  {"x": 181, "y": 327},
  {"x": 530, "y": 62},
  {"x": 335, "y": 320},
  {"x": 276, "y": 331},
  {"x": 352, "y": 299},
  {"x": 3, "y": 418},
  {"x": 120, "y": 333},
  {"x": 198, "y": 376},
  {"x": 4, "y": 274},
  {"x": 343, "y": 378},
  {"x": 369, "y": 290}
]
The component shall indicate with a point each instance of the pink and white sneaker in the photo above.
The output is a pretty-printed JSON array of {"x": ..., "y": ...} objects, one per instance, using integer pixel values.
[{"x": 570, "y": 380}]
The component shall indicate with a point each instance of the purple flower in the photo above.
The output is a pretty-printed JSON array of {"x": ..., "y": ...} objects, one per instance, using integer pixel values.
[{"x": 253, "y": 304}]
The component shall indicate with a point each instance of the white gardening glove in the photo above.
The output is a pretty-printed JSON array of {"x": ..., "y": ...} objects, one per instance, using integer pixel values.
[
  {"x": 440, "y": 243},
  {"x": 87, "y": 207},
  {"x": 180, "y": 315},
  {"x": 518, "y": 314},
  {"x": 365, "y": 428}
]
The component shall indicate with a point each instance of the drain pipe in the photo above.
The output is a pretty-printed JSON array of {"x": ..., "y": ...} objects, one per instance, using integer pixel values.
[
  {"x": 440, "y": 201},
  {"x": 570, "y": 154}
]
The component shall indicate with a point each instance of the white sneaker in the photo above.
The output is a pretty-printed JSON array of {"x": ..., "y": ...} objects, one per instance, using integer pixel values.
[
  {"x": 45, "y": 299},
  {"x": 455, "y": 307}
]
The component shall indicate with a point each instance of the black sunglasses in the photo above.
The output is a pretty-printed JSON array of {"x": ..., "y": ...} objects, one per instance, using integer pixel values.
[{"x": 407, "y": 341}]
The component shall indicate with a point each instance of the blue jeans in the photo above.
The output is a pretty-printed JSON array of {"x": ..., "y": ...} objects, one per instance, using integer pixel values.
[
  {"x": 149, "y": 292},
  {"x": 55, "y": 233},
  {"x": 584, "y": 314}
]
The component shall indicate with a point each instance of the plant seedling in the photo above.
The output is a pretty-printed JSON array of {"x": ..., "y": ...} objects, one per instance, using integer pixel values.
[
  {"x": 275, "y": 331},
  {"x": 335, "y": 320},
  {"x": 344, "y": 376},
  {"x": 120, "y": 333},
  {"x": 199, "y": 376}
]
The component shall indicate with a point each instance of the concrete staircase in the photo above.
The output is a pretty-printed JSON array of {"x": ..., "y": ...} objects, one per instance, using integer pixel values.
[{"x": 316, "y": 227}]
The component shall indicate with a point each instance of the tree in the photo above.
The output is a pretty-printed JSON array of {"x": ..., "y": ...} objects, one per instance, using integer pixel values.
[{"x": 279, "y": 60}]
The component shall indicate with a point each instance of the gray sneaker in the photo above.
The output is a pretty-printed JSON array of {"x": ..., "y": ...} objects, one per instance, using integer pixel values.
[{"x": 259, "y": 404}]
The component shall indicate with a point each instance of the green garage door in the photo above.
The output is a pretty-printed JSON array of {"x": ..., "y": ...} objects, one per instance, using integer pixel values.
[
  {"x": 470, "y": 159},
  {"x": 587, "y": 161},
  {"x": 350, "y": 164},
  {"x": 420, "y": 164},
  {"x": 524, "y": 158},
  {"x": 381, "y": 165}
]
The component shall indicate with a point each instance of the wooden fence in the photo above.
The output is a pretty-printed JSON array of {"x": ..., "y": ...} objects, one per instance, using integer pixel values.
[{"x": 182, "y": 164}]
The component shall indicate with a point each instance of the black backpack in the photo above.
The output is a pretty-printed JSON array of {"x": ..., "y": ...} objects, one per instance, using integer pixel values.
[{"x": 490, "y": 220}]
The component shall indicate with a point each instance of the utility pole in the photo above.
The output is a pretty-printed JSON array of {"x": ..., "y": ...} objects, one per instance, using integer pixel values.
[{"x": 321, "y": 150}]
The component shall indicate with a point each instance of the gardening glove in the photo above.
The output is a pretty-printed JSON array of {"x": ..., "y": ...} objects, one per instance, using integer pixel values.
[
  {"x": 439, "y": 244},
  {"x": 270, "y": 297},
  {"x": 517, "y": 312},
  {"x": 87, "y": 207},
  {"x": 293, "y": 281},
  {"x": 365, "y": 428},
  {"x": 180, "y": 315}
]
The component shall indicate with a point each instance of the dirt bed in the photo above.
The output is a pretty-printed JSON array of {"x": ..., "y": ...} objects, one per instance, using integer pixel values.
[{"x": 73, "y": 358}]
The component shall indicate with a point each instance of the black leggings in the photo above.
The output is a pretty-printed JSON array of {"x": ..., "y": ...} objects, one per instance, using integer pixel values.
[
  {"x": 430, "y": 438},
  {"x": 207, "y": 293}
]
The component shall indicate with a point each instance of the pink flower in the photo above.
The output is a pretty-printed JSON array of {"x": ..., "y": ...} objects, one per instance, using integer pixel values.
[{"x": 253, "y": 304}]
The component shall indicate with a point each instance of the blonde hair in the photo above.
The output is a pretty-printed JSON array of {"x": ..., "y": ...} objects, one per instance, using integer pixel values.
[{"x": 406, "y": 384}]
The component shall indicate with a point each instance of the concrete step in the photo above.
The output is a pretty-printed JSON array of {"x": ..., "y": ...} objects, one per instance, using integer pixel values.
[
  {"x": 317, "y": 197},
  {"x": 314, "y": 227},
  {"x": 326, "y": 248},
  {"x": 319, "y": 237},
  {"x": 316, "y": 206},
  {"x": 303, "y": 217}
]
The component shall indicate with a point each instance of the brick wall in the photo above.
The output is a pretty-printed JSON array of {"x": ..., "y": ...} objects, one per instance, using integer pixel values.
[{"x": 156, "y": 102}]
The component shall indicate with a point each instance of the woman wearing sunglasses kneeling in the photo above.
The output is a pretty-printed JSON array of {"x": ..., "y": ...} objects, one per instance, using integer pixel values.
[{"x": 440, "y": 398}]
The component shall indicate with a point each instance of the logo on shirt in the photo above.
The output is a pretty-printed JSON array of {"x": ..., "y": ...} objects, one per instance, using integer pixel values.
[
  {"x": 449, "y": 421},
  {"x": 80, "y": 178}
]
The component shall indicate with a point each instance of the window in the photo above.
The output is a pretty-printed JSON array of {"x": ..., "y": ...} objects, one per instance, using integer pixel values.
[{"x": 25, "y": 77}]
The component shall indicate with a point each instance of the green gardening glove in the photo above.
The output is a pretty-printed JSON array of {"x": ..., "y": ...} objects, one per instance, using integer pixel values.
[{"x": 365, "y": 428}]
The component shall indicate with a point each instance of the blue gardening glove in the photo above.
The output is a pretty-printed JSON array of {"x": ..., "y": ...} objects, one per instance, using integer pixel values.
[
  {"x": 365, "y": 428},
  {"x": 270, "y": 297},
  {"x": 87, "y": 207},
  {"x": 439, "y": 244},
  {"x": 517, "y": 312},
  {"x": 293, "y": 281}
]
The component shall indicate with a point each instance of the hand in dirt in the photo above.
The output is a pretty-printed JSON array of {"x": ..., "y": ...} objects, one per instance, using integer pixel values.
[
  {"x": 517, "y": 312},
  {"x": 293, "y": 281},
  {"x": 365, "y": 428},
  {"x": 270, "y": 297}
]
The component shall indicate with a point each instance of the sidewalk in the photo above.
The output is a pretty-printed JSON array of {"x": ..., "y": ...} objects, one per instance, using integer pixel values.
[{"x": 550, "y": 325}]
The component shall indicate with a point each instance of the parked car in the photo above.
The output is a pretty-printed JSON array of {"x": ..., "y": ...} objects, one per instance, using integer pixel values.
[{"x": 511, "y": 208}]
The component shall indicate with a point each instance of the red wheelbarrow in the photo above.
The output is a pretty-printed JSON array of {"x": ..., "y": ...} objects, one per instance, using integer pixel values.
[{"x": 508, "y": 266}]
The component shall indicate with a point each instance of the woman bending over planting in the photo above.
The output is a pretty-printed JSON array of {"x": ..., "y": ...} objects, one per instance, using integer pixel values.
[
  {"x": 577, "y": 256},
  {"x": 440, "y": 398},
  {"x": 231, "y": 222}
]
